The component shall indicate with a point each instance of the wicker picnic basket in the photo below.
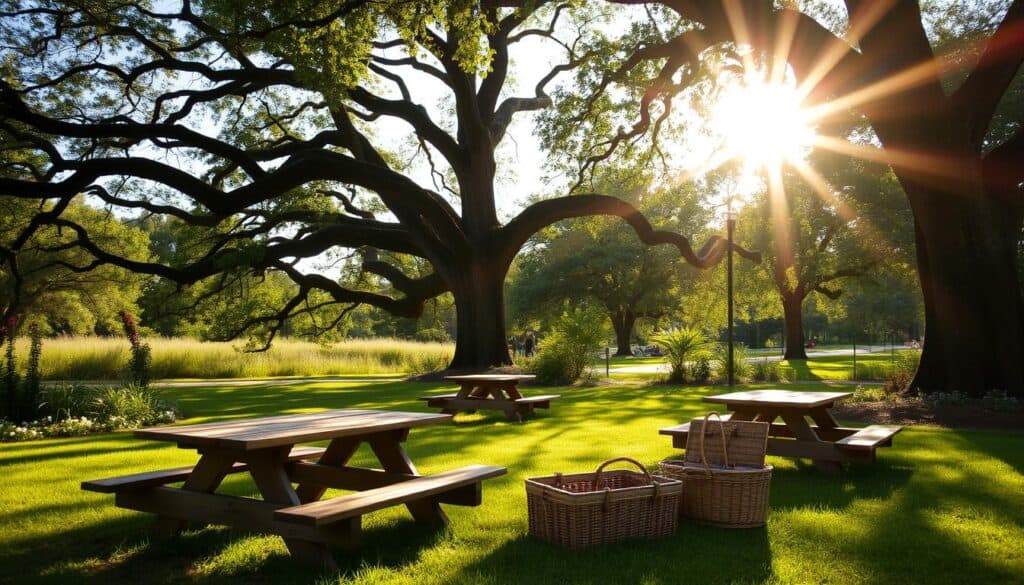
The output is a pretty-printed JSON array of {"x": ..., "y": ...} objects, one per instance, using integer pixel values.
[
  {"x": 588, "y": 509},
  {"x": 725, "y": 479}
]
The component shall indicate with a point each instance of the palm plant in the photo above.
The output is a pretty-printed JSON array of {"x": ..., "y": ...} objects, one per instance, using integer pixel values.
[{"x": 680, "y": 345}]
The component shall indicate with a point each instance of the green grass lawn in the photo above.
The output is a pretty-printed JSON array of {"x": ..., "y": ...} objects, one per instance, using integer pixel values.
[
  {"x": 872, "y": 366},
  {"x": 940, "y": 506}
]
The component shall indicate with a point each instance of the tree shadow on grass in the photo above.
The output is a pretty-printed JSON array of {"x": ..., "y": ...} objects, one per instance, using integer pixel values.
[
  {"x": 120, "y": 551},
  {"x": 695, "y": 553},
  {"x": 804, "y": 486}
]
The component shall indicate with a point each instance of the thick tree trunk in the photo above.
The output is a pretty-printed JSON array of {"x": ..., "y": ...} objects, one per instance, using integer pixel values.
[
  {"x": 792, "y": 310},
  {"x": 974, "y": 317},
  {"x": 480, "y": 341},
  {"x": 623, "y": 321}
]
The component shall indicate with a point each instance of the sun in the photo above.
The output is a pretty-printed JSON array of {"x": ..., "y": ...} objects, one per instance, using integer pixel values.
[{"x": 761, "y": 123}]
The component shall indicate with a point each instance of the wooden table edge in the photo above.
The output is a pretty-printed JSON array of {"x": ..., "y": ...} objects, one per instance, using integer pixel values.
[{"x": 168, "y": 434}]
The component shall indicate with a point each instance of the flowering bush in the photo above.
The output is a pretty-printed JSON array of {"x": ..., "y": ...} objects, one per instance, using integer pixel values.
[
  {"x": 80, "y": 410},
  {"x": 138, "y": 366}
]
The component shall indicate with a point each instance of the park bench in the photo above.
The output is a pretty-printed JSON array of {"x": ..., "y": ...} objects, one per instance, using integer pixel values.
[
  {"x": 869, "y": 438},
  {"x": 491, "y": 392},
  {"x": 459, "y": 487},
  {"x": 134, "y": 481}
]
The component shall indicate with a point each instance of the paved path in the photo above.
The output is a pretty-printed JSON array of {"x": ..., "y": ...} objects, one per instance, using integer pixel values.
[
  {"x": 236, "y": 383},
  {"x": 663, "y": 368}
]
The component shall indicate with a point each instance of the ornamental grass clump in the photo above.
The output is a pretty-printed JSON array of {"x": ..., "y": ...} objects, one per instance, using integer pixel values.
[{"x": 683, "y": 346}]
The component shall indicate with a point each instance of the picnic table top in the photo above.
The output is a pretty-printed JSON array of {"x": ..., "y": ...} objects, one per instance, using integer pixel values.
[
  {"x": 780, "y": 398},
  {"x": 491, "y": 378},
  {"x": 275, "y": 431}
]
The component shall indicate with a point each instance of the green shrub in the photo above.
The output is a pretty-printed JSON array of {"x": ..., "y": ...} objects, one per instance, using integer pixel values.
[
  {"x": 75, "y": 409},
  {"x": 63, "y": 401},
  {"x": 700, "y": 370},
  {"x": 741, "y": 368},
  {"x": 426, "y": 363},
  {"x": 432, "y": 334},
  {"x": 128, "y": 406},
  {"x": 567, "y": 350},
  {"x": 680, "y": 345},
  {"x": 765, "y": 370},
  {"x": 862, "y": 394},
  {"x": 902, "y": 372}
]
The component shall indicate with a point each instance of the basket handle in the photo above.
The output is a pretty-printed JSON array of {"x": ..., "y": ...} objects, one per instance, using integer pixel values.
[
  {"x": 597, "y": 474},
  {"x": 704, "y": 432}
]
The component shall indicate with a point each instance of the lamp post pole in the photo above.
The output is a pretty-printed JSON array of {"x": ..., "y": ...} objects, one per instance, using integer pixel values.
[{"x": 730, "y": 226}]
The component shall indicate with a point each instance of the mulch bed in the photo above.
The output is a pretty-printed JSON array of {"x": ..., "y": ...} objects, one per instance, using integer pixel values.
[{"x": 917, "y": 412}]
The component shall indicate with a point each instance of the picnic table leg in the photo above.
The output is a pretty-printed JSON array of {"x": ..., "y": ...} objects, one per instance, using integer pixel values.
[
  {"x": 394, "y": 459},
  {"x": 803, "y": 432},
  {"x": 338, "y": 453},
  {"x": 823, "y": 418},
  {"x": 206, "y": 477},
  {"x": 267, "y": 467}
]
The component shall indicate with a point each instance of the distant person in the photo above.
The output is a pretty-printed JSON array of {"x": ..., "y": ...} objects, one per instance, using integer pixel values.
[{"x": 529, "y": 345}]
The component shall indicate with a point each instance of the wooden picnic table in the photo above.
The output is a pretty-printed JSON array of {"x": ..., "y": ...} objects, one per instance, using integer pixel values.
[
  {"x": 825, "y": 442},
  {"x": 490, "y": 391},
  {"x": 265, "y": 447}
]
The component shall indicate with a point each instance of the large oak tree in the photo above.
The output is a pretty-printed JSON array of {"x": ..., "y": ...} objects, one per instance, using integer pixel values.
[
  {"x": 933, "y": 119},
  {"x": 272, "y": 130}
]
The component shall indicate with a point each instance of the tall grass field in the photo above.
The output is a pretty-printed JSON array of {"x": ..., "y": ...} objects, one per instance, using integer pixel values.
[{"x": 102, "y": 358}]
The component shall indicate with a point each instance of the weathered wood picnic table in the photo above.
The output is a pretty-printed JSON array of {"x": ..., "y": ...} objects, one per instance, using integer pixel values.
[
  {"x": 490, "y": 391},
  {"x": 825, "y": 442},
  {"x": 265, "y": 447}
]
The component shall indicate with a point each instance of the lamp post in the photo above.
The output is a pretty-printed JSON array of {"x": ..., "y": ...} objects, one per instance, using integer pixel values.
[{"x": 730, "y": 227}]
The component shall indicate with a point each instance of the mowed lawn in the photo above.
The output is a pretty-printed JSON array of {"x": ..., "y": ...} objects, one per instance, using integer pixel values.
[{"x": 940, "y": 506}]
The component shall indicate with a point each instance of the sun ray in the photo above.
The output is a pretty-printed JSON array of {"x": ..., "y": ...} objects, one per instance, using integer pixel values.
[
  {"x": 827, "y": 194},
  {"x": 937, "y": 166},
  {"x": 868, "y": 14},
  {"x": 780, "y": 218}
]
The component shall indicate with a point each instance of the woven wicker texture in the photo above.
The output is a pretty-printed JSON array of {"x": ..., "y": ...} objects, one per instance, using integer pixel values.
[
  {"x": 717, "y": 491},
  {"x": 747, "y": 441},
  {"x": 589, "y": 509}
]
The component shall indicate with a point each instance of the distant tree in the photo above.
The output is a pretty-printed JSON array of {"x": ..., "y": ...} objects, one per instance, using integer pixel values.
[
  {"x": 600, "y": 261},
  {"x": 51, "y": 282}
]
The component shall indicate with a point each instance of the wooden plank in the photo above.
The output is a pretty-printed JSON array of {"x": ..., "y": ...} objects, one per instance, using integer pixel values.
[
  {"x": 268, "y": 472},
  {"x": 291, "y": 429},
  {"x": 536, "y": 399},
  {"x": 165, "y": 476},
  {"x": 868, "y": 438},
  {"x": 394, "y": 459},
  {"x": 338, "y": 453},
  {"x": 473, "y": 404},
  {"x": 242, "y": 513},
  {"x": 442, "y": 396},
  {"x": 344, "y": 478},
  {"x": 326, "y": 512},
  {"x": 778, "y": 398},
  {"x": 491, "y": 378}
]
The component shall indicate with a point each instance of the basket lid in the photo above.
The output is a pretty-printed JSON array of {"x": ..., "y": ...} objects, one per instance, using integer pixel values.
[{"x": 746, "y": 442}]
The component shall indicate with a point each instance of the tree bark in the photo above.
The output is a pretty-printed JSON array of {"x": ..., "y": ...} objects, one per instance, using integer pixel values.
[
  {"x": 623, "y": 321},
  {"x": 480, "y": 341},
  {"x": 792, "y": 309},
  {"x": 974, "y": 317}
]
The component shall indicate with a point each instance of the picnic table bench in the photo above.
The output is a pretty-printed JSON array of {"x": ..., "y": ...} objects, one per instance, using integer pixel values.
[
  {"x": 265, "y": 447},
  {"x": 825, "y": 442},
  {"x": 490, "y": 391}
]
